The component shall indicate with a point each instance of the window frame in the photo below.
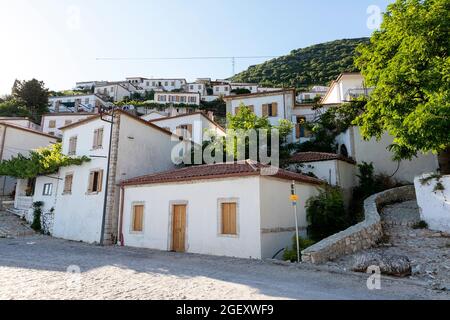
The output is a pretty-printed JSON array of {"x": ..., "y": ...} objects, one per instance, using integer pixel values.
[
  {"x": 65, "y": 191},
  {"x": 46, "y": 192},
  {"x": 220, "y": 202},
  {"x": 100, "y": 173},
  {"x": 132, "y": 217}
]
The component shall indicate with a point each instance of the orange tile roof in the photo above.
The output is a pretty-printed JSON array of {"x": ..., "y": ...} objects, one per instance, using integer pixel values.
[
  {"x": 217, "y": 171},
  {"x": 318, "y": 156}
]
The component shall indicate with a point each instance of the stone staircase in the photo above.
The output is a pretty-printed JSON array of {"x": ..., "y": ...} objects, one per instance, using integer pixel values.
[{"x": 12, "y": 226}]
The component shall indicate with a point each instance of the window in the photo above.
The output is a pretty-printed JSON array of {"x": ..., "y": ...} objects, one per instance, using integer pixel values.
[
  {"x": 173, "y": 84},
  {"x": 111, "y": 89},
  {"x": 47, "y": 189},
  {"x": 226, "y": 88},
  {"x": 68, "y": 184},
  {"x": 98, "y": 139},
  {"x": 72, "y": 146},
  {"x": 217, "y": 89},
  {"x": 166, "y": 83},
  {"x": 147, "y": 83},
  {"x": 270, "y": 110},
  {"x": 52, "y": 124},
  {"x": 138, "y": 218},
  {"x": 95, "y": 181},
  {"x": 86, "y": 101},
  {"x": 184, "y": 131},
  {"x": 191, "y": 87},
  {"x": 228, "y": 218}
]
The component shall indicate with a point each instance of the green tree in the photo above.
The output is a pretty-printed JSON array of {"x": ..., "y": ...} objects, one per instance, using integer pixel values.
[
  {"x": 34, "y": 95},
  {"x": 408, "y": 63},
  {"x": 13, "y": 108},
  {"x": 39, "y": 162}
]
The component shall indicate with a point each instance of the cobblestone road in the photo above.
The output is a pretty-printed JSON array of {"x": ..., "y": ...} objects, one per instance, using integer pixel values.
[{"x": 36, "y": 268}]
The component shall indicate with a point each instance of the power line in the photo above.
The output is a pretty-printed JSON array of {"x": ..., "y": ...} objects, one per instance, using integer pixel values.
[{"x": 232, "y": 58}]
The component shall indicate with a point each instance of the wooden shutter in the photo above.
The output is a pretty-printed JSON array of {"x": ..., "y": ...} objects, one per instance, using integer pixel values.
[
  {"x": 68, "y": 183},
  {"x": 229, "y": 218},
  {"x": 72, "y": 145},
  {"x": 100, "y": 181},
  {"x": 94, "y": 143},
  {"x": 100, "y": 138},
  {"x": 91, "y": 182},
  {"x": 189, "y": 129},
  {"x": 298, "y": 131},
  {"x": 274, "y": 109},
  {"x": 236, "y": 110},
  {"x": 138, "y": 218},
  {"x": 252, "y": 108},
  {"x": 265, "y": 110}
]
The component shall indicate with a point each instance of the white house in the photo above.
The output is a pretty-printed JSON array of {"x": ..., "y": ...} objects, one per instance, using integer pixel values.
[
  {"x": 195, "y": 87},
  {"x": 252, "y": 87},
  {"x": 313, "y": 93},
  {"x": 137, "y": 147},
  {"x": 14, "y": 140},
  {"x": 275, "y": 105},
  {"x": 89, "y": 85},
  {"x": 352, "y": 144},
  {"x": 51, "y": 122},
  {"x": 191, "y": 126},
  {"x": 117, "y": 91},
  {"x": 222, "y": 209},
  {"x": 335, "y": 169},
  {"x": 345, "y": 88},
  {"x": 78, "y": 103},
  {"x": 192, "y": 98},
  {"x": 223, "y": 89},
  {"x": 22, "y": 122},
  {"x": 158, "y": 84}
]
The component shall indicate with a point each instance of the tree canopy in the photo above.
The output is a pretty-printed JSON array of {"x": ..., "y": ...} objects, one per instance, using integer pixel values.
[
  {"x": 42, "y": 161},
  {"x": 33, "y": 95},
  {"x": 302, "y": 68},
  {"x": 407, "y": 62}
]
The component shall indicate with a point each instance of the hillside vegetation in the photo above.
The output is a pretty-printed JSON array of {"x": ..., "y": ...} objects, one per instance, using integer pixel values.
[{"x": 315, "y": 65}]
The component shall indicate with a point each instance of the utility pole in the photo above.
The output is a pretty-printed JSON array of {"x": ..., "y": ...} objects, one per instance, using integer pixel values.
[{"x": 294, "y": 199}]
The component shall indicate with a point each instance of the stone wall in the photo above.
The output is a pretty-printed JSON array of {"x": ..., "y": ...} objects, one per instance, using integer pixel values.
[{"x": 362, "y": 235}]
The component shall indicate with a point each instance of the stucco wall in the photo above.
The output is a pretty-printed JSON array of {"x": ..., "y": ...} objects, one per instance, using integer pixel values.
[
  {"x": 277, "y": 215},
  {"x": 434, "y": 204},
  {"x": 376, "y": 152},
  {"x": 78, "y": 216},
  {"x": 202, "y": 235},
  {"x": 61, "y": 121}
]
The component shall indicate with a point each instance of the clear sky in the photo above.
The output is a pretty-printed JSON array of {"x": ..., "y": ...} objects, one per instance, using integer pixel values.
[{"x": 58, "y": 41}]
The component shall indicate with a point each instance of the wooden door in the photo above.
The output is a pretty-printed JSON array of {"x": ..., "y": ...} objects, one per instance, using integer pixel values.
[{"x": 179, "y": 228}]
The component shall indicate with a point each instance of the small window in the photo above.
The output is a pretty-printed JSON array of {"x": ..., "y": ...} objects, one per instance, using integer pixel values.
[
  {"x": 98, "y": 139},
  {"x": 68, "y": 184},
  {"x": 47, "y": 189},
  {"x": 138, "y": 218},
  {"x": 52, "y": 124},
  {"x": 228, "y": 216},
  {"x": 95, "y": 181},
  {"x": 72, "y": 146}
]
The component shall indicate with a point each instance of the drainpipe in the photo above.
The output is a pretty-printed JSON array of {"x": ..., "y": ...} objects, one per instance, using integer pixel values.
[
  {"x": 122, "y": 200},
  {"x": 105, "y": 201},
  {"x": 1, "y": 159}
]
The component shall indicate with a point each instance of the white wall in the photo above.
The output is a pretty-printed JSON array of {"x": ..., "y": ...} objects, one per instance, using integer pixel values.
[
  {"x": 434, "y": 205},
  {"x": 199, "y": 125},
  {"x": 202, "y": 235},
  {"x": 277, "y": 212},
  {"x": 285, "y": 105},
  {"x": 78, "y": 216},
  {"x": 22, "y": 122},
  {"x": 91, "y": 101},
  {"x": 61, "y": 121},
  {"x": 153, "y": 116},
  {"x": 170, "y": 97},
  {"x": 376, "y": 152}
]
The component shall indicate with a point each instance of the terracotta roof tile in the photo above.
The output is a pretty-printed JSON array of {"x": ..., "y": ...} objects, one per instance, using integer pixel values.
[
  {"x": 214, "y": 171},
  {"x": 318, "y": 156}
]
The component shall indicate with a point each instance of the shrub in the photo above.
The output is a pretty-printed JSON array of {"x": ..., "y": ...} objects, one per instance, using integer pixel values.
[
  {"x": 37, "y": 213},
  {"x": 326, "y": 213},
  {"x": 291, "y": 254},
  {"x": 420, "y": 225}
]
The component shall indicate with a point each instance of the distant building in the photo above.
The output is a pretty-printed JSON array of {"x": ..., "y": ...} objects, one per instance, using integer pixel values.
[
  {"x": 345, "y": 88},
  {"x": 316, "y": 92},
  {"x": 51, "y": 122},
  {"x": 178, "y": 98},
  {"x": 77, "y": 103}
]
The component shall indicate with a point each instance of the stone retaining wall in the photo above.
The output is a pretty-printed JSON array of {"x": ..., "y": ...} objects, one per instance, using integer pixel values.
[{"x": 362, "y": 235}]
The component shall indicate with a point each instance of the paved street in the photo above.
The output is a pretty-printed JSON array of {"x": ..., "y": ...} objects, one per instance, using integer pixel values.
[{"x": 36, "y": 268}]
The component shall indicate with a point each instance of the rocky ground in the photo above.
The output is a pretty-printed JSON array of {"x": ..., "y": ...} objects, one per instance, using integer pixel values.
[
  {"x": 12, "y": 226},
  {"x": 427, "y": 250}
]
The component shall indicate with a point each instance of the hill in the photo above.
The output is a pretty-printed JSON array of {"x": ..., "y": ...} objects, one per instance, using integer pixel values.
[{"x": 315, "y": 65}]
